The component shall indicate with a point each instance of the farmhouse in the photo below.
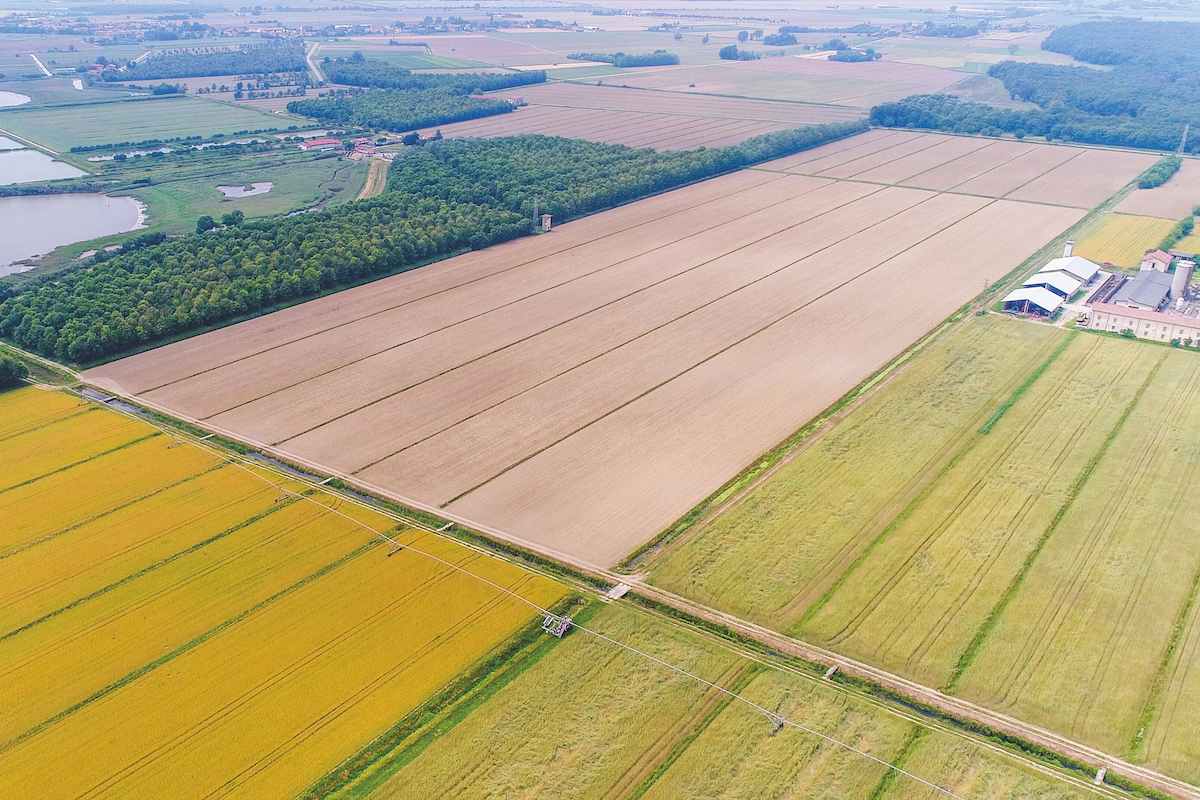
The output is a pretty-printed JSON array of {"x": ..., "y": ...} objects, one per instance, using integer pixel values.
[
  {"x": 1158, "y": 260},
  {"x": 1036, "y": 300},
  {"x": 1144, "y": 324},
  {"x": 1148, "y": 291},
  {"x": 321, "y": 144}
]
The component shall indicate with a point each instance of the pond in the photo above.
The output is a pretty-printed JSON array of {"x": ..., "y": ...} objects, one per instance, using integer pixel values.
[
  {"x": 246, "y": 191},
  {"x": 36, "y": 224},
  {"x": 24, "y": 166},
  {"x": 12, "y": 99}
]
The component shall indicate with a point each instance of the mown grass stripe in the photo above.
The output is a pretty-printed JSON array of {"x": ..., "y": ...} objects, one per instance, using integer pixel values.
[
  {"x": 1137, "y": 747},
  {"x": 372, "y": 766},
  {"x": 148, "y": 569},
  {"x": 921, "y": 496},
  {"x": 114, "y": 510},
  {"x": 743, "y": 680},
  {"x": 1024, "y": 387},
  {"x": 985, "y": 629},
  {"x": 92, "y": 457},
  {"x": 184, "y": 648},
  {"x": 915, "y": 734}
]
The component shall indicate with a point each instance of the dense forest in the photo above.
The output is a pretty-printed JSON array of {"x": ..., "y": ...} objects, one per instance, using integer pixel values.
[
  {"x": 659, "y": 58},
  {"x": 398, "y": 109},
  {"x": 377, "y": 74},
  {"x": 443, "y": 198},
  {"x": 781, "y": 39},
  {"x": 1145, "y": 100},
  {"x": 265, "y": 58}
]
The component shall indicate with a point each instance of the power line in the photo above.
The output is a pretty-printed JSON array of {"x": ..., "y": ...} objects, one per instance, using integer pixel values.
[{"x": 777, "y": 718}]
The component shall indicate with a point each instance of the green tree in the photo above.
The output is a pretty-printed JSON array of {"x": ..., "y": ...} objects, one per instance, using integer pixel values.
[
  {"x": 205, "y": 223},
  {"x": 743, "y": 36},
  {"x": 12, "y": 372},
  {"x": 232, "y": 219}
]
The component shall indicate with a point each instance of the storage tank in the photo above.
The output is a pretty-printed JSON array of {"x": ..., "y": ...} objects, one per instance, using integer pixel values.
[{"x": 1181, "y": 279}]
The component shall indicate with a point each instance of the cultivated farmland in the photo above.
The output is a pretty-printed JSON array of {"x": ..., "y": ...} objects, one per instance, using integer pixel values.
[
  {"x": 180, "y": 626},
  {"x": 61, "y": 128},
  {"x": 1018, "y": 494},
  {"x": 579, "y": 391},
  {"x": 662, "y": 120},
  {"x": 640, "y": 119},
  {"x": 1175, "y": 199},
  {"x": 1122, "y": 239},
  {"x": 588, "y": 720}
]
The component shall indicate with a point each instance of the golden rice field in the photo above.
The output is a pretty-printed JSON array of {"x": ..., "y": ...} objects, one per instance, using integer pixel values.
[
  {"x": 1011, "y": 520},
  {"x": 1122, "y": 239},
  {"x": 588, "y": 720},
  {"x": 172, "y": 625}
]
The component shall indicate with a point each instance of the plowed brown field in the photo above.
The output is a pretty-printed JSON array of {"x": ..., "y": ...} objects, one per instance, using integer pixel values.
[
  {"x": 578, "y": 391},
  {"x": 1175, "y": 199},
  {"x": 662, "y": 120}
]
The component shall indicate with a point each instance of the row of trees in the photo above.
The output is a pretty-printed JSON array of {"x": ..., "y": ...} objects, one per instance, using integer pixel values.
[
  {"x": 264, "y": 58},
  {"x": 443, "y": 198},
  {"x": 732, "y": 53},
  {"x": 1160, "y": 173},
  {"x": 1147, "y": 99},
  {"x": 659, "y": 58},
  {"x": 398, "y": 109},
  {"x": 378, "y": 74}
]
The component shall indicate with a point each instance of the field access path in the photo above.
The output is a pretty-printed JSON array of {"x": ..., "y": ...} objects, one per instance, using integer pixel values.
[{"x": 579, "y": 391}]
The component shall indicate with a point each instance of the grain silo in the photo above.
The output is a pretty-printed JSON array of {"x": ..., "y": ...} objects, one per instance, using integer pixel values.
[{"x": 1182, "y": 278}]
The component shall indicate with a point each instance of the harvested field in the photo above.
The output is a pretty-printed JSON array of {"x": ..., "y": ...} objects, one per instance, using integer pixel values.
[
  {"x": 796, "y": 79},
  {"x": 662, "y": 120},
  {"x": 1175, "y": 199},
  {"x": 1029, "y": 522},
  {"x": 579, "y": 391},
  {"x": 634, "y": 729},
  {"x": 180, "y": 627},
  {"x": 1122, "y": 239},
  {"x": 1053, "y": 174}
]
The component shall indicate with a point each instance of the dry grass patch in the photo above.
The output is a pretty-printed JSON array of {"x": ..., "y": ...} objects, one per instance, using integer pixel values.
[{"x": 1122, "y": 239}]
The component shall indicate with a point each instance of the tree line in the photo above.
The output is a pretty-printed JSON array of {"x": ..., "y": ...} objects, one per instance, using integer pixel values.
[
  {"x": 444, "y": 198},
  {"x": 273, "y": 57},
  {"x": 398, "y": 109},
  {"x": 375, "y": 73},
  {"x": 659, "y": 58},
  {"x": 1146, "y": 100}
]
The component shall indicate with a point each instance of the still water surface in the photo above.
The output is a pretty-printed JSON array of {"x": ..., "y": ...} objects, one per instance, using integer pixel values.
[{"x": 36, "y": 224}]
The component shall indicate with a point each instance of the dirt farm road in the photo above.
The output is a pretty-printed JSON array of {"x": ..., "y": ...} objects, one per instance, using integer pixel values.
[{"x": 948, "y": 704}]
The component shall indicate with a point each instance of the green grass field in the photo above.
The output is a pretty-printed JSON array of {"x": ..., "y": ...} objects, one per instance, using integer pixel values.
[
  {"x": 405, "y": 57},
  {"x": 61, "y": 129},
  {"x": 300, "y": 183},
  {"x": 587, "y": 720},
  {"x": 1006, "y": 521}
]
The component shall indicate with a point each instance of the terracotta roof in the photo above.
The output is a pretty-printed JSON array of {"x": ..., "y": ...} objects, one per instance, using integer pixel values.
[{"x": 1152, "y": 316}]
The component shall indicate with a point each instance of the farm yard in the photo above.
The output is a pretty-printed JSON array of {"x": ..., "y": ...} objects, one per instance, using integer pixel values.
[
  {"x": 175, "y": 622},
  {"x": 578, "y": 392},
  {"x": 1121, "y": 239},
  {"x": 1029, "y": 521},
  {"x": 620, "y": 116}
]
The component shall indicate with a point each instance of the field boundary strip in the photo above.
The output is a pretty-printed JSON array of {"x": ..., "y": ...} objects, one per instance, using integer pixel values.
[
  {"x": 384, "y": 536},
  {"x": 906, "y": 692}
]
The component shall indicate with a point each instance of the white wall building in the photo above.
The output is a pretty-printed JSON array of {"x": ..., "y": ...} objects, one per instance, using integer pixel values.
[{"x": 1145, "y": 324}]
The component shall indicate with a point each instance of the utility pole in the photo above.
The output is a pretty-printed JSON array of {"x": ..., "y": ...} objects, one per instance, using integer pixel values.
[
  {"x": 536, "y": 198},
  {"x": 1183, "y": 141}
]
